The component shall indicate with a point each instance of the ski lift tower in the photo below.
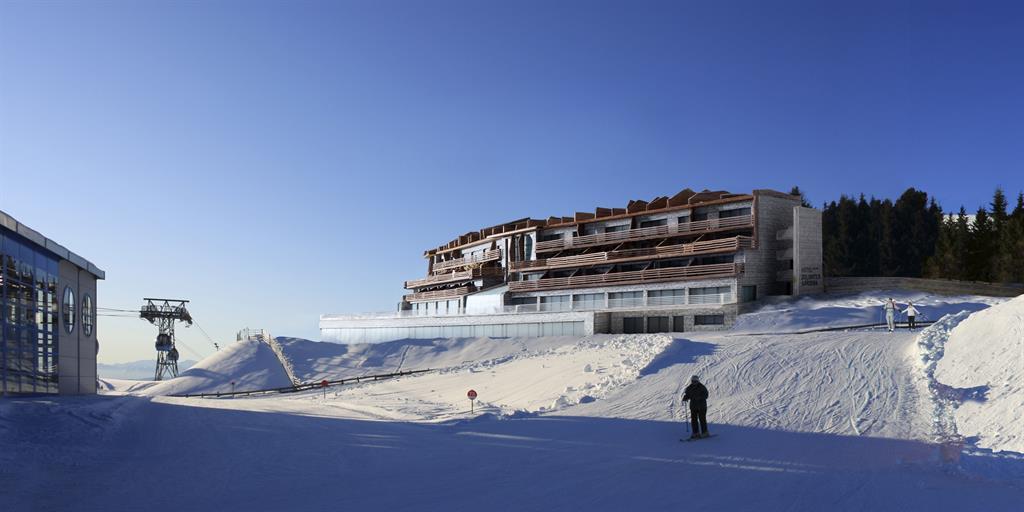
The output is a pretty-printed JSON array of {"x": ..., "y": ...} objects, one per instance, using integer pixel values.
[{"x": 163, "y": 313}]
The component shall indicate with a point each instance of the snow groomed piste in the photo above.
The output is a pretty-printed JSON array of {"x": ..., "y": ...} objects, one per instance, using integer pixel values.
[{"x": 848, "y": 419}]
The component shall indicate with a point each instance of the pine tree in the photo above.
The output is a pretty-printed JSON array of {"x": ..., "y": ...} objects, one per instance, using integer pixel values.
[
  {"x": 961, "y": 242},
  {"x": 1002, "y": 239},
  {"x": 980, "y": 247},
  {"x": 795, "y": 191}
]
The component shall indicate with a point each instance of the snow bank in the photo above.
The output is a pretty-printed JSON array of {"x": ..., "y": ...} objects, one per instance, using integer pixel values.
[
  {"x": 821, "y": 311},
  {"x": 984, "y": 359},
  {"x": 313, "y": 360},
  {"x": 250, "y": 364}
]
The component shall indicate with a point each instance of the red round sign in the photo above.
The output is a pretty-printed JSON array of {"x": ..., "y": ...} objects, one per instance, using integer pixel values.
[
  {"x": 471, "y": 394},
  {"x": 323, "y": 383}
]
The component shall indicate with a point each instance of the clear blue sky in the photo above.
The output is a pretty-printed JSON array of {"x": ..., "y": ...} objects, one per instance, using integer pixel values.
[{"x": 272, "y": 161}]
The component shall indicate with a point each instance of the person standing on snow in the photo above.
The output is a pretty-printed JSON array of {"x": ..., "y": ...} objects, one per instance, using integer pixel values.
[
  {"x": 911, "y": 313},
  {"x": 697, "y": 395},
  {"x": 890, "y": 314}
]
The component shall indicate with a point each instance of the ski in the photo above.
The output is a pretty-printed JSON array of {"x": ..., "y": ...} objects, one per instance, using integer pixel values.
[{"x": 688, "y": 439}]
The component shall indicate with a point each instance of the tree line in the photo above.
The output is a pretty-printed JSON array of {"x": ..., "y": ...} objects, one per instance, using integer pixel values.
[{"x": 913, "y": 237}]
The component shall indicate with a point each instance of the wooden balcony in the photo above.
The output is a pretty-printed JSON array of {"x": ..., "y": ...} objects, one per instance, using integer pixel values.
[
  {"x": 455, "y": 277},
  {"x": 484, "y": 257},
  {"x": 635, "y": 277},
  {"x": 630, "y": 235},
  {"x": 725, "y": 245},
  {"x": 450, "y": 293}
]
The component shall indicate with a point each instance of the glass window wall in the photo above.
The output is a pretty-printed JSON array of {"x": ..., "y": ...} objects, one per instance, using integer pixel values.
[{"x": 28, "y": 317}]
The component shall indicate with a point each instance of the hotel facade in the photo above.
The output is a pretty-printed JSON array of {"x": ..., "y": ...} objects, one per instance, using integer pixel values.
[{"x": 688, "y": 262}]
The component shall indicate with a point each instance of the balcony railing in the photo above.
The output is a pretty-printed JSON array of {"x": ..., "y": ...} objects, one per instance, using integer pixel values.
[
  {"x": 634, "y": 277},
  {"x": 454, "y": 277},
  {"x": 483, "y": 257},
  {"x": 706, "y": 247},
  {"x": 451, "y": 293},
  {"x": 647, "y": 233}
]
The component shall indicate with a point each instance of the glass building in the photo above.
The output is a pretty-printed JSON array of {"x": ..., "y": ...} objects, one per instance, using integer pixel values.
[{"x": 47, "y": 315}]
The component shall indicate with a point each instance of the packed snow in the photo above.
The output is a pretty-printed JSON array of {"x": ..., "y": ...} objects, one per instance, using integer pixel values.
[
  {"x": 856, "y": 310},
  {"x": 242, "y": 366},
  {"x": 843, "y": 420},
  {"x": 984, "y": 360}
]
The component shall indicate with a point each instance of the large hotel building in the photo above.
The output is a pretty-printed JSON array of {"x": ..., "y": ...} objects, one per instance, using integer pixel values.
[{"x": 687, "y": 262}]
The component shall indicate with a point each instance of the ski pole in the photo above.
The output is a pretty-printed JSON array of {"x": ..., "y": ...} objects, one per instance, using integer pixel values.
[{"x": 687, "y": 408}]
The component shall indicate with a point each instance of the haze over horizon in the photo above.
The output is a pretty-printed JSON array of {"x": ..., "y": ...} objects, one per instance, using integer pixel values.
[{"x": 272, "y": 161}]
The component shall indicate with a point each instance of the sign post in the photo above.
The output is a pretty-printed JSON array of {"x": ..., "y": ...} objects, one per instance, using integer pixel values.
[
  {"x": 323, "y": 384},
  {"x": 472, "y": 396}
]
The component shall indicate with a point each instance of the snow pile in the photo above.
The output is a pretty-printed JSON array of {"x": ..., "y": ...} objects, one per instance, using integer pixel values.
[
  {"x": 314, "y": 361},
  {"x": 550, "y": 375},
  {"x": 984, "y": 361},
  {"x": 249, "y": 364},
  {"x": 931, "y": 346},
  {"x": 823, "y": 311}
]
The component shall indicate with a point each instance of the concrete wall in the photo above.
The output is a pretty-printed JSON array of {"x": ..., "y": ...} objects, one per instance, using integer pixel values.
[
  {"x": 773, "y": 213},
  {"x": 76, "y": 365},
  {"x": 808, "y": 276},
  {"x": 341, "y": 321},
  {"x": 939, "y": 286},
  {"x": 615, "y": 317}
]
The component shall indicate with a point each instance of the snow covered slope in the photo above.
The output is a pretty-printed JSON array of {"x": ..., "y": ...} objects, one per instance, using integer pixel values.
[
  {"x": 984, "y": 359},
  {"x": 820, "y": 311},
  {"x": 313, "y": 360},
  {"x": 249, "y": 364}
]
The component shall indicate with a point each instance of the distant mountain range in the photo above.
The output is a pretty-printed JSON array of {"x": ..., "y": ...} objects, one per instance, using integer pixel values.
[{"x": 135, "y": 370}]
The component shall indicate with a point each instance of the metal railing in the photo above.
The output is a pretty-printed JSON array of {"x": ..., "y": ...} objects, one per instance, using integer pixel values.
[
  {"x": 633, "y": 277},
  {"x": 454, "y": 277},
  {"x": 483, "y": 257},
  {"x": 451, "y": 293},
  {"x": 644, "y": 233},
  {"x": 677, "y": 300},
  {"x": 710, "y": 246}
]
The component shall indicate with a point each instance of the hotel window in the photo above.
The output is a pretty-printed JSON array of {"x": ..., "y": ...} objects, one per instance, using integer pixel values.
[
  {"x": 666, "y": 297},
  {"x": 613, "y": 229},
  {"x": 633, "y": 325},
  {"x": 678, "y": 324},
  {"x": 625, "y": 299},
  {"x": 684, "y": 219},
  {"x": 653, "y": 223},
  {"x": 709, "y": 320},
  {"x": 657, "y": 324},
  {"x": 588, "y": 301},
  {"x": 549, "y": 237},
  {"x": 699, "y": 216},
  {"x": 736, "y": 212},
  {"x": 555, "y": 303}
]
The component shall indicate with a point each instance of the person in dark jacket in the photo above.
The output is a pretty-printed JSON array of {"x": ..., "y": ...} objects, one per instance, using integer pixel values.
[{"x": 697, "y": 395}]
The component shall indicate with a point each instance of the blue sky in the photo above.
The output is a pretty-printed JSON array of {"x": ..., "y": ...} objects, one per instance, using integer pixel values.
[{"x": 272, "y": 161}]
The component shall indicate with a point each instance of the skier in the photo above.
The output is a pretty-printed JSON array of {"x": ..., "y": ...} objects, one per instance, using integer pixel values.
[
  {"x": 697, "y": 395},
  {"x": 911, "y": 313},
  {"x": 890, "y": 314}
]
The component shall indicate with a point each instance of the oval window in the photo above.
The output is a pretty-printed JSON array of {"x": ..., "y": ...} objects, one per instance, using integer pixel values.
[
  {"x": 87, "y": 315},
  {"x": 69, "y": 309}
]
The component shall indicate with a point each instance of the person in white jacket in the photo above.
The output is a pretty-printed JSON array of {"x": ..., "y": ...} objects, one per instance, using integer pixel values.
[
  {"x": 890, "y": 314},
  {"x": 911, "y": 313}
]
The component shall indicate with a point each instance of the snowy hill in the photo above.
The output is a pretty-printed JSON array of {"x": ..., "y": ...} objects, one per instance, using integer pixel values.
[
  {"x": 842, "y": 420},
  {"x": 984, "y": 357},
  {"x": 250, "y": 365},
  {"x": 786, "y": 315}
]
